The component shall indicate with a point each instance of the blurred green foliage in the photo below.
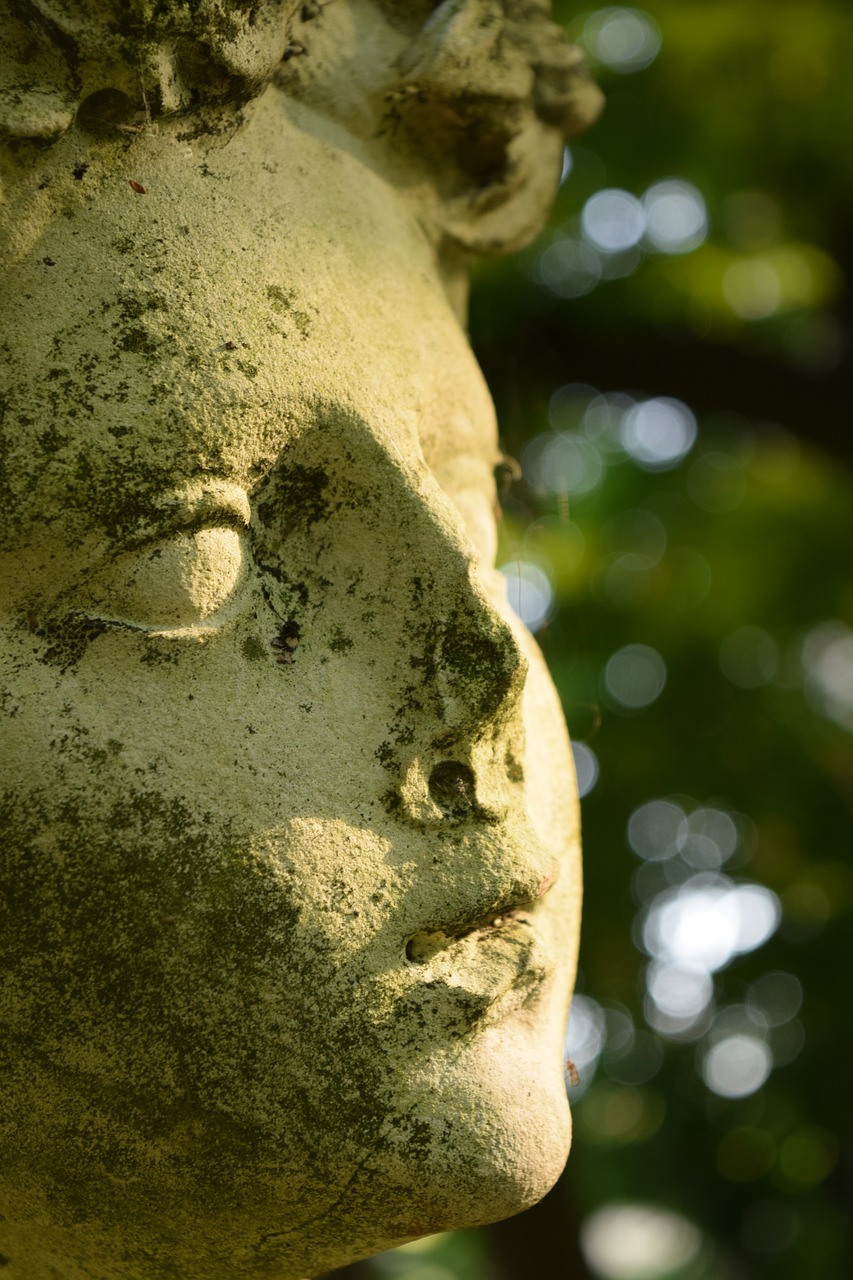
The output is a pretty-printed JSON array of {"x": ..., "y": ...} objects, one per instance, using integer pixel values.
[
  {"x": 774, "y": 558},
  {"x": 727, "y": 558}
]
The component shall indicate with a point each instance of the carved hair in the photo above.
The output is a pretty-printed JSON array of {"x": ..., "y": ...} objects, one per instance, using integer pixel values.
[{"x": 476, "y": 94}]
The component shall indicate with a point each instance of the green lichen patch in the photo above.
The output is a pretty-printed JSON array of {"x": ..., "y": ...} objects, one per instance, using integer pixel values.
[
  {"x": 68, "y": 639},
  {"x": 138, "y": 341},
  {"x": 294, "y": 495},
  {"x": 283, "y": 302},
  {"x": 254, "y": 649},
  {"x": 339, "y": 641}
]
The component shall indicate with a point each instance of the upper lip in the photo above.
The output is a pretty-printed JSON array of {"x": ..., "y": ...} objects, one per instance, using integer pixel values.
[
  {"x": 480, "y": 974},
  {"x": 517, "y": 906},
  {"x": 423, "y": 945}
]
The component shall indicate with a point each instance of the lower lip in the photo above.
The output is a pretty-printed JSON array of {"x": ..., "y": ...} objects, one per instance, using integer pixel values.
[{"x": 487, "y": 974}]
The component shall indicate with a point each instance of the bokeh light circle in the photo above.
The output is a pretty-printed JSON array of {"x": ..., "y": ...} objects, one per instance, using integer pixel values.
[
  {"x": 679, "y": 993},
  {"x": 635, "y": 676},
  {"x": 613, "y": 220},
  {"x": 569, "y": 268},
  {"x": 586, "y": 768},
  {"x": 657, "y": 829},
  {"x": 569, "y": 464},
  {"x": 658, "y": 433},
  {"x": 737, "y": 1065},
  {"x": 625, "y": 40},
  {"x": 706, "y": 921},
  {"x": 529, "y": 591},
  {"x": 586, "y": 1035},
  {"x": 776, "y": 997},
  {"x": 638, "y": 1242},
  {"x": 676, "y": 216}
]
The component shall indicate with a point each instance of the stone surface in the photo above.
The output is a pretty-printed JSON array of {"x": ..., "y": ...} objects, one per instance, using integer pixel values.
[{"x": 289, "y": 884}]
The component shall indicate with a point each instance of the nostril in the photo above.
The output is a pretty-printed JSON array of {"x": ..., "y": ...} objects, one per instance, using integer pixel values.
[
  {"x": 423, "y": 946},
  {"x": 453, "y": 788},
  {"x": 103, "y": 112}
]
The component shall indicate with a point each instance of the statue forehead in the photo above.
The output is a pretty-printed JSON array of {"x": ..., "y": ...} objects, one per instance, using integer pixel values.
[{"x": 201, "y": 324}]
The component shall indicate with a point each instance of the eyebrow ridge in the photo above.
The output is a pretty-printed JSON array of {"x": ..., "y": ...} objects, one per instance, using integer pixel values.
[{"x": 195, "y": 506}]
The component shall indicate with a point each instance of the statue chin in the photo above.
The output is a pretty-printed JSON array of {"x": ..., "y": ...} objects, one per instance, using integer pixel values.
[
  {"x": 290, "y": 870},
  {"x": 478, "y": 1156},
  {"x": 479, "y": 1150}
]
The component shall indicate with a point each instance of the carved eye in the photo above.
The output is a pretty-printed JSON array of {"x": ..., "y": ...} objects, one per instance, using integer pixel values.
[{"x": 186, "y": 580}]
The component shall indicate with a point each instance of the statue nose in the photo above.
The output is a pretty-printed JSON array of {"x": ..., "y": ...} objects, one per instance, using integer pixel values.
[
  {"x": 377, "y": 526},
  {"x": 468, "y": 668},
  {"x": 479, "y": 669},
  {"x": 465, "y": 738}
]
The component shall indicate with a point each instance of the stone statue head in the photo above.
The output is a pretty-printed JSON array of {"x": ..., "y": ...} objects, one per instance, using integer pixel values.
[{"x": 289, "y": 882}]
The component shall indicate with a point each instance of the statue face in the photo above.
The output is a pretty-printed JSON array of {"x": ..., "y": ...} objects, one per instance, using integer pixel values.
[{"x": 290, "y": 880}]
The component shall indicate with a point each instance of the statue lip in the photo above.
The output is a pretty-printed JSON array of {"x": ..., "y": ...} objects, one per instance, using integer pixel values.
[
  {"x": 482, "y": 964},
  {"x": 424, "y": 945},
  {"x": 484, "y": 971},
  {"x": 511, "y": 914}
]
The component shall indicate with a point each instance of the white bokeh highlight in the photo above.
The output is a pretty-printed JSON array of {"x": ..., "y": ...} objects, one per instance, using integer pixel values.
[
  {"x": 586, "y": 768},
  {"x": 567, "y": 463},
  {"x": 827, "y": 657},
  {"x": 625, "y": 40},
  {"x": 613, "y": 220},
  {"x": 529, "y": 592},
  {"x": 638, "y": 1242},
  {"x": 586, "y": 1035},
  {"x": 635, "y": 676},
  {"x": 702, "y": 925},
  {"x": 681, "y": 995},
  {"x": 676, "y": 216},
  {"x": 657, "y": 829},
  {"x": 712, "y": 837},
  {"x": 736, "y": 1065},
  {"x": 569, "y": 268},
  {"x": 658, "y": 433}
]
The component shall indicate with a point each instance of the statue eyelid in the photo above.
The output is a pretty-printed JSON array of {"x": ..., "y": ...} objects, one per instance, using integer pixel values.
[
  {"x": 179, "y": 580},
  {"x": 225, "y": 506}
]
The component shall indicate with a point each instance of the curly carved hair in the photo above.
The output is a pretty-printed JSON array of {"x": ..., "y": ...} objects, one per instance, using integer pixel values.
[{"x": 475, "y": 95}]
